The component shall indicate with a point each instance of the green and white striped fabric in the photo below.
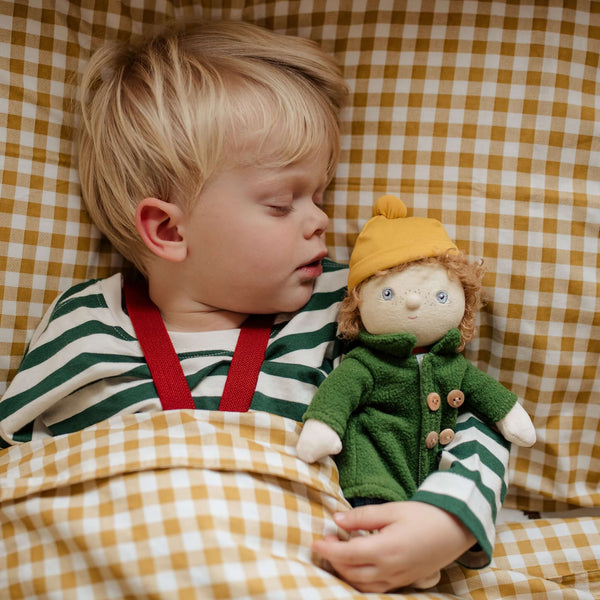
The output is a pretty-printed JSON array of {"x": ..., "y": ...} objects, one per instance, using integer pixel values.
[
  {"x": 470, "y": 483},
  {"x": 84, "y": 365}
]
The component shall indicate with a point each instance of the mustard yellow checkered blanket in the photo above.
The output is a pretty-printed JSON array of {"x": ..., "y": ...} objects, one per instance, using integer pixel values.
[{"x": 195, "y": 504}]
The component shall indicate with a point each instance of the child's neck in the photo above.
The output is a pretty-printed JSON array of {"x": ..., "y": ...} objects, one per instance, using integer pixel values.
[
  {"x": 201, "y": 320},
  {"x": 182, "y": 313}
]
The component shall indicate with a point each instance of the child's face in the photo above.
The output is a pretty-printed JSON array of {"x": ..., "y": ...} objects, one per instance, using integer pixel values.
[
  {"x": 256, "y": 237},
  {"x": 422, "y": 300}
]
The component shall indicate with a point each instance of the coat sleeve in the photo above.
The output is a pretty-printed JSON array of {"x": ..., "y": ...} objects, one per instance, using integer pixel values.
[
  {"x": 487, "y": 396},
  {"x": 345, "y": 388},
  {"x": 471, "y": 484}
]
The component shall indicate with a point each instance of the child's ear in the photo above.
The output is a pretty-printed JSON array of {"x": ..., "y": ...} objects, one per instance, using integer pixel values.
[{"x": 158, "y": 224}]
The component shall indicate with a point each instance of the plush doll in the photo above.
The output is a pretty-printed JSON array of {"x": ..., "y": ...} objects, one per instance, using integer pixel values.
[{"x": 393, "y": 400}]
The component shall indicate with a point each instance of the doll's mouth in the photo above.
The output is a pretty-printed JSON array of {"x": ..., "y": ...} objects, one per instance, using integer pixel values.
[{"x": 413, "y": 317}]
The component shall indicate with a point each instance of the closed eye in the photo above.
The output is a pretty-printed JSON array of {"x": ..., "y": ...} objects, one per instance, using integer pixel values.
[{"x": 281, "y": 209}]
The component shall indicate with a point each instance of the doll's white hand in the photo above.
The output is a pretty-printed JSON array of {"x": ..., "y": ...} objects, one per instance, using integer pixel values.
[
  {"x": 517, "y": 427},
  {"x": 317, "y": 440}
]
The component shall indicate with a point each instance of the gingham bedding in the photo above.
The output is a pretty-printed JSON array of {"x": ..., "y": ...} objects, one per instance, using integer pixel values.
[
  {"x": 482, "y": 114},
  {"x": 198, "y": 504}
]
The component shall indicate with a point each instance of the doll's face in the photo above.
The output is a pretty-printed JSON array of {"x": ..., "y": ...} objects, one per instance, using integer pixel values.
[{"x": 422, "y": 300}]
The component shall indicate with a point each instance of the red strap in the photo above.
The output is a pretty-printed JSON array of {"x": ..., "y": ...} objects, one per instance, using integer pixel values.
[
  {"x": 245, "y": 364},
  {"x": 164, "y": 365}
]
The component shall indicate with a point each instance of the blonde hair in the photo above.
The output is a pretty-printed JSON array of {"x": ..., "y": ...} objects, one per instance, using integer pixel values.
[
  {"x": 161, "y": 117},
  {"x": 469, "y": 274}
]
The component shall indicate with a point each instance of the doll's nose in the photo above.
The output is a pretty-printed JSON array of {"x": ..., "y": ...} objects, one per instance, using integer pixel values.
[{"x": 413, "y": 301}]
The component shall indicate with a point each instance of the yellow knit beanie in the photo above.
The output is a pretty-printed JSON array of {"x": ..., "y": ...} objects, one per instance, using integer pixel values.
[{"x": 391, "y": 238}]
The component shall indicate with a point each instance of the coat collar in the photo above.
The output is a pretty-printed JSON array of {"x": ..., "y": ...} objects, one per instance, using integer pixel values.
[{"x": 401, "y": 344}]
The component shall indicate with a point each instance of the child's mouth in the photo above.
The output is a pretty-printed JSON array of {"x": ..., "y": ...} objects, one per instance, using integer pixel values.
[{"x": 313, "y": 269}]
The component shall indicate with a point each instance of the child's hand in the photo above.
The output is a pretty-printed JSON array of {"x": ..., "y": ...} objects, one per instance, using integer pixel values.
[
  {"x": 412, "y": 543},
  {"x": 317, "y": 440}
]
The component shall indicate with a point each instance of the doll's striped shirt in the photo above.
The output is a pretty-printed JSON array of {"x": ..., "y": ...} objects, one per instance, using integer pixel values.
[{"x": 84, "y": 364}]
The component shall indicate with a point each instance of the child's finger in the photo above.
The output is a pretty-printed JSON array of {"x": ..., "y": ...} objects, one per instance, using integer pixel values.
[
  {"x": 367, "y": 579},
  {"x": 364, "y": 577},
  {"x": 355, "y": 552},
  {"x": 369, "y": 518}
]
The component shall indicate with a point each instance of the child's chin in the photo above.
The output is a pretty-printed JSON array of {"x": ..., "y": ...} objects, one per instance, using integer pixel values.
[{"x": 297, "y": 301}]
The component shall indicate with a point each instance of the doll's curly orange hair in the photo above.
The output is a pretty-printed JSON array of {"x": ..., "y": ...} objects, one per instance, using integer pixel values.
[{"x": 458, "y": 266}]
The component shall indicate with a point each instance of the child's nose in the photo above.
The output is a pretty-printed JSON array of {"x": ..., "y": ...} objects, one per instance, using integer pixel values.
[
  {"x": 413, "y": 301},
  {"x": 317, "y": 224}
]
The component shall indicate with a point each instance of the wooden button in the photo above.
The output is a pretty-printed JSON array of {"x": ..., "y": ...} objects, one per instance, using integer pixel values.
[
  {"x": 431, "y": 440},
  {"x": 456, "y": 398},
  {"x": 434, "y": 401},
  {"x": 446, "y": 436}
]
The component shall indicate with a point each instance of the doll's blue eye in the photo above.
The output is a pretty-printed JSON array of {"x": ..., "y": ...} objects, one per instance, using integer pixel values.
[
  {"x": 442, "y": 297},
  {"x": 387, "y": 293}
]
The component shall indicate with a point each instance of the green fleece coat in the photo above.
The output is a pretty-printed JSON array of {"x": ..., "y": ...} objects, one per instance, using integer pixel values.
[{"x": 376, "y": 401}]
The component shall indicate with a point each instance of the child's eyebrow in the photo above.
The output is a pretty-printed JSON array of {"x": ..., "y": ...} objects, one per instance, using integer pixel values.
[{"x": 283, "y": 180}]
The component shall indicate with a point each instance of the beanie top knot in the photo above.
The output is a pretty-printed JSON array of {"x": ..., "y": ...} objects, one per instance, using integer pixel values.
[{"x": 390, "y": 207}]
